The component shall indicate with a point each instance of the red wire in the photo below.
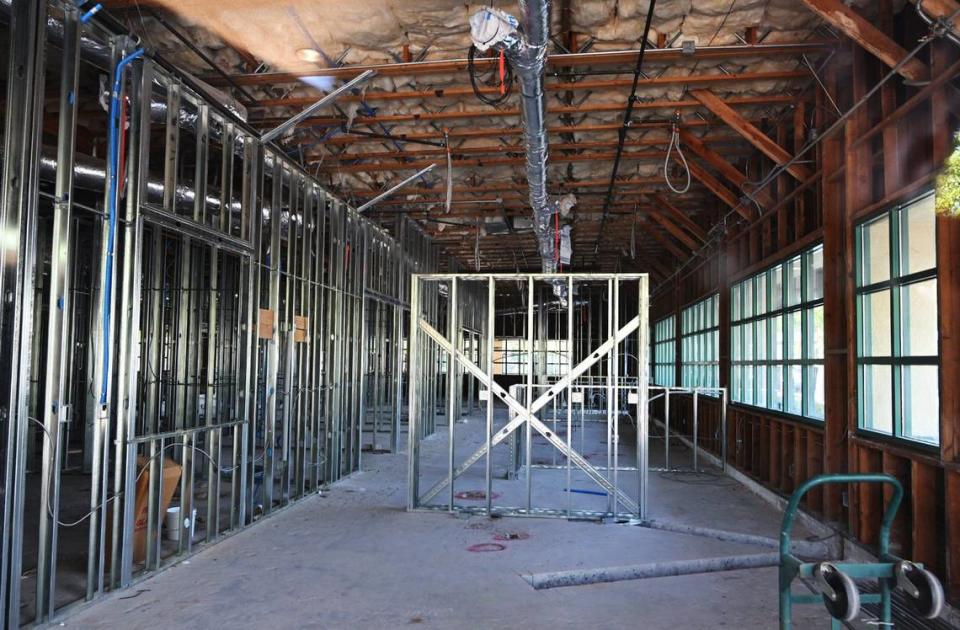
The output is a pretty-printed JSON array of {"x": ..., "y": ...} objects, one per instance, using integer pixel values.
[
  {"x": 503, "y": 74},
  {"x": 121, "y": 164}
]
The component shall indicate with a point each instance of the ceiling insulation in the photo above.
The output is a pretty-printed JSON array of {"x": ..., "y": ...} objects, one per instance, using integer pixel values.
[{"x": 394, "y": 31}]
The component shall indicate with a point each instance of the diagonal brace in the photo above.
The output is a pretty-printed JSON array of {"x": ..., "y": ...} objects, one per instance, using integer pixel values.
[{"x": 527, "y": 415}]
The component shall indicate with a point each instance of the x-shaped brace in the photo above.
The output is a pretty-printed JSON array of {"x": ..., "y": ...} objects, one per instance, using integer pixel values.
[{"x": 527, "y": 415}]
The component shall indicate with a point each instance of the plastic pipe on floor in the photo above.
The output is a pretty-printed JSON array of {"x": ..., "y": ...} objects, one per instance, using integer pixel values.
[
  {"x": 803, "y": 548},
  {"x": 557, "y": 579}
]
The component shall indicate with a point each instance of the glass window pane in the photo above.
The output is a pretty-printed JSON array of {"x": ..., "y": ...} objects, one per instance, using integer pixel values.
[
  {"x": 794, "y": 336},
  {"x": 918, "y": 319},
  {"x": 776, "y": 287},
  {"x": 760, "y": 346},
  {"x": 735, "y": 303},
  {"x": 814, "y": 394},
  {"x": 736, "y": 342},
  {"x": 815, "y": 333},
  {"x": 875, "y": 324},
  {"x": 795, "y": 393},
  {"x": 748, "y": 384},
  {"x": 793, "y": 281},
  {"x": 748, "y": 298},
  {"x": 815, "y": 274},
  {"x": 748, "y": 342},
  {"x": 877, "y": 400},
  {"x": 735, "y": 384},
  {"x": 921, "y": 403},
  {"x": 761, "y": 294},
  {"x": 918, "y": 246},
  {"x": 875, "y": 251},
  {"x": 776, "y": 387},
  {"x": 776, "y": 338},
  {"x": 760, "y": 387}
]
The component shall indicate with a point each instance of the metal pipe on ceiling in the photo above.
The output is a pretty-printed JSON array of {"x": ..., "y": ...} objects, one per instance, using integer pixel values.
[{"x": 527, "y": 53}]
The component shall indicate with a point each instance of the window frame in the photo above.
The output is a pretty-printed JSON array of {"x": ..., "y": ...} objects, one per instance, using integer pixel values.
[
  {"x": 700, "y": 320},
  {"x": 895, "y": 285},
  {"x": 782, "y": 314}
]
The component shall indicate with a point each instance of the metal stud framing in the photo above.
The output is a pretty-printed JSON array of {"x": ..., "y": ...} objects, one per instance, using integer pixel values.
[{"x": 246, "y": 303}]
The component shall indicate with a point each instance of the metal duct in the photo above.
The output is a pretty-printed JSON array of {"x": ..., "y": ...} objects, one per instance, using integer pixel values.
[
  {"x": 89, "y": 173},
  {"x": 98, "y": 54},
  {"x": 527, "y": 52}
]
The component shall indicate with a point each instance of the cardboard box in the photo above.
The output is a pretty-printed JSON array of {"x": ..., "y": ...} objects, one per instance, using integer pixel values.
[{"x": 171, "y": 482}]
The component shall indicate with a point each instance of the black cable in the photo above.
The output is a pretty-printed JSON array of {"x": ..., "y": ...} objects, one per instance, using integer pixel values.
[
  {"x": 627, "y": 120},
  {"x": 507, "y": 80}
]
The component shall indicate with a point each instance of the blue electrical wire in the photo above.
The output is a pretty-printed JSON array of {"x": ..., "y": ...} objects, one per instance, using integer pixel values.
[{"x": 113, "y": 159}]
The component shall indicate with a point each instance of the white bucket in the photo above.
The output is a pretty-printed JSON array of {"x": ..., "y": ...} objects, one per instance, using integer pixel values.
[{"x": 172, "y": 523}]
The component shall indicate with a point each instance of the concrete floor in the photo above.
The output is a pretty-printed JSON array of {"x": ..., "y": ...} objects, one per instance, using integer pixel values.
[{"x": 354, "y": 558}]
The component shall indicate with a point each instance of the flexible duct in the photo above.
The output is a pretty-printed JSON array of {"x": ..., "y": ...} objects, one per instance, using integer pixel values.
[{"x": 527, "y": 52}]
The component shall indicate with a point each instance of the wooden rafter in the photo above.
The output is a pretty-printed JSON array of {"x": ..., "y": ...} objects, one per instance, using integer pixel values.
[
  {"x": 699, "y": 147},
  {"x": 717, "y": 188},
  {"x": 680, "y": 216},
  {"x": 486, "y": 114},
  {"x": 857, "y": 28},
  {"x": 594, "y": 85},
  {"x": 593, "y": 156},
  {"x": 721, "y": 108},
  {"x": 675, "y": 230},
  {"x": 625, "y": 58}
]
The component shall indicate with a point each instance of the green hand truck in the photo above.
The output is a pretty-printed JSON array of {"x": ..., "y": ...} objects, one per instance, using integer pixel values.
[{"x": 834, "y": 581}]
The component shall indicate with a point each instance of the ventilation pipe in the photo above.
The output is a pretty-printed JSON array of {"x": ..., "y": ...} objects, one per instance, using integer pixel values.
[{"x": 527, "y": 53}]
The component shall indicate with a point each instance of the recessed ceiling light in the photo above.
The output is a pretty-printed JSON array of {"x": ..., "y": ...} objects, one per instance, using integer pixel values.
[{"x": 309, "y": 55}]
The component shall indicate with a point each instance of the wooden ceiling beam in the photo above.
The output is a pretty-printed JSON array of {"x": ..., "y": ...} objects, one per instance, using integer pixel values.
[
  {"x": 455, "y": 133},
  {"x": 674, "y": 249},
  {"x": 699, "y": 147},
  {"x": 721, "y": 108},
  {"x": 604, "y": 156},
  {"x": 499, "y": 149},
  {"x": 674, "y": 229},
  {"x": 625, "y": 58},
  {"x": 717, "y": 188},
  {"x": 680, "y": 216},
  {"x": 505, "y": 186},
  {"x": 565, "y": 86},
  {"x": 869, "y": 37},
  {"x": 486, "y": 114}
]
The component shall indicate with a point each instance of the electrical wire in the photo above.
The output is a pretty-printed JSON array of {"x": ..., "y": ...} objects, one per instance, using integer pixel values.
[
  {"x": 505, "y": 84},
  {"x": 144, "y": 469},
  {"x": 675, "y": 142},
  {"x": 627, "y": 121},
  {"x": 719, "y": 228}
]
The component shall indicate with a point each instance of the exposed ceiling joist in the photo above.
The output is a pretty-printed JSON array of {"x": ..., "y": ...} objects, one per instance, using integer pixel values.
[
  {"x": 624, "y": 58},
  {"x": 674, "y": 229},
  {"x": 680, "y": 216},
  {"x": 857, "y": 28},
  {"x": 699, "y": 147},
  {"x": 721, "y": 108},
  {"x": 670, "y": 105},
  {"x": 592, "y": 85},
  {"x": 717, "y": 188},
  {"x": 345, "y": 138}
]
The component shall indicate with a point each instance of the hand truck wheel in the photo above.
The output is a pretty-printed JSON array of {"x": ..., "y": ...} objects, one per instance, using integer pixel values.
[
  {"x": 926, "y": 596},
  {"x": 844, "y": 603}
]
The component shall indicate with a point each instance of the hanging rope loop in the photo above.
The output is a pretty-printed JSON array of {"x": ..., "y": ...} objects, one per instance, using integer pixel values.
[{"x": 675, "y": 142}]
